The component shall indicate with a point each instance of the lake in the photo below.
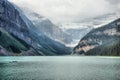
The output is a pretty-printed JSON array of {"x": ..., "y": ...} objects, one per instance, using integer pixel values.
[{"x": 60, "y": 68}]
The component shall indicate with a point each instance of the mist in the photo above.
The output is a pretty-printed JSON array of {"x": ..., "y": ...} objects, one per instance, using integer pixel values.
[{"x": 66, "y": 11}]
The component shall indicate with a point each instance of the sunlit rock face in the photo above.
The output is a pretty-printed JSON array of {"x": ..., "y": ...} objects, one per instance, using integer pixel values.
[
  {"x": 13, "y": 21},
  {"x": 101, "y": 41}
]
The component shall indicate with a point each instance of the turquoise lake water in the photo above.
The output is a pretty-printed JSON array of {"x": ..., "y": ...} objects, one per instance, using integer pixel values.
[{"x": 60, "y": 68}]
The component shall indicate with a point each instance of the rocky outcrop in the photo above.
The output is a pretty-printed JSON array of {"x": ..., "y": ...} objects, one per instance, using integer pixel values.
[
  {"x": 101, "y": 41},
  {"x": 21, "y": 28}
]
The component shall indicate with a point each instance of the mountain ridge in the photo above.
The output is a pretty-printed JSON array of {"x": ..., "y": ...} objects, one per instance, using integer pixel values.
[
  {"x": 15, "y": 23},
  {"x": 98, "y": 38}
]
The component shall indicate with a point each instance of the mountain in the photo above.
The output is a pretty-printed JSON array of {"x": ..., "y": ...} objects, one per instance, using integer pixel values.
[
  {"x": 10, "y": 44},
  {"x": 47, "y": 27},
  {"x": 111, "y": 48},
  {"x": 77, "y": 34},
  {"x": 15, "y": 23},
  {"x": 104, "y": 40},
  {"x": 78, "y": 30}
]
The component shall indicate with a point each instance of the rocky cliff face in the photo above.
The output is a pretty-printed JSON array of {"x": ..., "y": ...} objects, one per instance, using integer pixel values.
[
  {"x": 15, "y": 23},
  {"x": 11, "y": 46},
  {"x": 47, "y": 27},
  {"x": 101, "y": 41}
]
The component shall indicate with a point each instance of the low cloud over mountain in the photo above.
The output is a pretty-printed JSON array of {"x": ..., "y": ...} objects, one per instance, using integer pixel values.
[{"x": 59, "y": 11}]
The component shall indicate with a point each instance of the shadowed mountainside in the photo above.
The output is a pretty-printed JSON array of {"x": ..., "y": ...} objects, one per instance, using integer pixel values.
[{"x": 21, "y": 28}]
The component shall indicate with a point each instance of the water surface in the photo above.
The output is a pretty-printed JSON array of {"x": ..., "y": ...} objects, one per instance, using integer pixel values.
[{"x": 59, "y": 68}]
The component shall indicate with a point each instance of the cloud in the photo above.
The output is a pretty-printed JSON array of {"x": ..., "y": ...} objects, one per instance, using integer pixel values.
[
  {"x": 115, "y": 3},
  {"x": 64, "y": 11}
]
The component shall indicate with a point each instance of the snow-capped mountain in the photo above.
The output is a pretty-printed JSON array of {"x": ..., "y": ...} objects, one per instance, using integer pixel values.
[
  {"x": 78, "y": 30},
  {"x": 18, "y": 26},
  {"x": 68, "y": 33},
  {"x": 78, "y": 22}
]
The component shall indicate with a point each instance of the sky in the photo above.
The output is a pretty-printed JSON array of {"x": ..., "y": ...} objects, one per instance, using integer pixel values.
[{"x": 65, "y": 11}]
